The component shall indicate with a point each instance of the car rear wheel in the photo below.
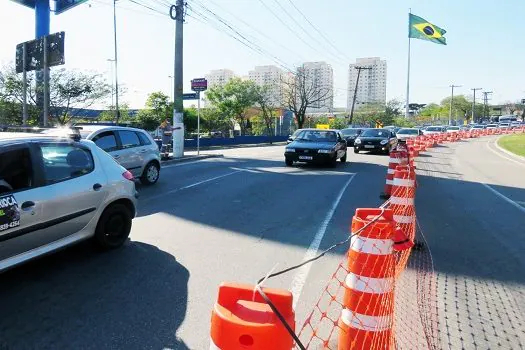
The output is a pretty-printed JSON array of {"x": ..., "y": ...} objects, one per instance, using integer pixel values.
[
  {"x": 343, "y": 158},
  {"x": 151, "y": 174},
  {"x": 288, "y": 162},
  {"x": 113, "y": 227}
]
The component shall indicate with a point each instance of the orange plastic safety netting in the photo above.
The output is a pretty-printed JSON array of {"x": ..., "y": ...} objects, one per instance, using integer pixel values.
[{"x": 383, "y": 294}]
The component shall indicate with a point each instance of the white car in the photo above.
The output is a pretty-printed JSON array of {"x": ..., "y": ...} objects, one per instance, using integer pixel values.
[
  {"x": 492, "y": 126},
  {"x": 408, "y": 133},
  {"x": 453, "y": 129},
  {"x": 433, "y": 130},
  {"x": 504, "y": 125}
]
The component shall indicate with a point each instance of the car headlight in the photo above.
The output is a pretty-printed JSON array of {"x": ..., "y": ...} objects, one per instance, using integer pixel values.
[
  {"x": 325, "y": 151},
  {"x": 290, "y": 150},
  {"x": 383, "y": 142},
  {"x": 357, "y": 141}
]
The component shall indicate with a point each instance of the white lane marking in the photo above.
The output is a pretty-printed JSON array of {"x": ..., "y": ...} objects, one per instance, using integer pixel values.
[
  {"x": 187, "y": 163},
  {"x": 192, "y": 185},
  {"x": 302, "y": 273},
  {"x": 505, "y": 198},
  {"x": 502, "y": 156}
]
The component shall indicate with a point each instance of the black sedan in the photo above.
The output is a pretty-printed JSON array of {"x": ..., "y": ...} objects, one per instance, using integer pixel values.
[
  {"x": 316, "y": 146},
  {"x": 350, "y": 134},
  {"x": 378, "y": 140}
]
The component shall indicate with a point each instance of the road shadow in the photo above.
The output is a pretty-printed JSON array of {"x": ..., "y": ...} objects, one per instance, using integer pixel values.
[{"x": 130, "y": 298}]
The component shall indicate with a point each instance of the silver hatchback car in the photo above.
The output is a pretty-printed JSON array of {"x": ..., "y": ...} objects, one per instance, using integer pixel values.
[
  {"x": 58, "y": 191},
  {"x": 133, "y": 148}
]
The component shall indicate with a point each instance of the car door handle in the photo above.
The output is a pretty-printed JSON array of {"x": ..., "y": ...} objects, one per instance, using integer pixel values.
[
  {"x": 97, "y": 187},
  {"x": 27, "y": 205}
]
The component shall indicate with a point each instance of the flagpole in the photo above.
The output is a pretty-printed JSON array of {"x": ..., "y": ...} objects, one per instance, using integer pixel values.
[{"x": 407, "y": 109}]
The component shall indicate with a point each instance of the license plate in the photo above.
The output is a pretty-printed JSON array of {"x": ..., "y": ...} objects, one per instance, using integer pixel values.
[
  {"x": 370, "y": 146},
  {"x": 305, "y": 157}
]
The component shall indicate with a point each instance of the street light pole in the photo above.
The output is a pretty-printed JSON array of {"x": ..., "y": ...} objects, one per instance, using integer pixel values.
[
  {"x": 177, "y": 13},
  {"x": 451, "y": 102},
  {"x": 117, "y": 112},
  {"x": 112, "y": 81},
  {"x": 171, "y": 77},
  {"x": 474, "y": 104}
]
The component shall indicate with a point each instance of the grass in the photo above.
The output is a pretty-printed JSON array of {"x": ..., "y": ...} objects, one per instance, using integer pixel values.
[{"x": 513, "y": 143}]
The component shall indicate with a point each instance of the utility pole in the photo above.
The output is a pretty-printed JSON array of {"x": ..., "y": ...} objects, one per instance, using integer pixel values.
[
  {"x": 177, "y": 13},
  {"x": 451, "y": 102},
  {"x": 117, "y": 112},
  {"x": 171, "y": 86},
  {"x": 485, "y": 103},
  {"x": 474, "y": 104},
  {"x": 112, "y": 74},
  {"x": 359, "y": 69}
]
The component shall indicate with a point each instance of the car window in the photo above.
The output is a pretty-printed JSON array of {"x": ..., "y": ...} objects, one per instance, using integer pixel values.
[
  {"x": 408, "y": 131},
  {"x": 129, "y": 139},
  {"x": 375, "y": 133},
  {"x": 65, "y": 161},
  {"x": 16, "y": 171},
  {"x": 349, "y": 132},
  {"x": 107, "y": 141},
  {"x": 317, "y": 136},
  {"x": 144, "y": 140}
]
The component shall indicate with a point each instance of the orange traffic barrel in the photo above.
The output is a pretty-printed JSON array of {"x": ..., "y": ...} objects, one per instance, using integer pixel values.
[
  {"x": 241, "y": 319},
  {"x": 402, "y": 204},
  {"x": 396, "y": 158},
  {"x": 367, "y": 318}
]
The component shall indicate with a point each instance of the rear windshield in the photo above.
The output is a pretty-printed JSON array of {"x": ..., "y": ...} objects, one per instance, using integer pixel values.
[
  {"x": 433, "y": 128},
  {"x": 376, "y": 133},
  {"x": 453, "y": 128},
  {"x": 408, "y": 131},
  {"x": 349, "y": 132}
]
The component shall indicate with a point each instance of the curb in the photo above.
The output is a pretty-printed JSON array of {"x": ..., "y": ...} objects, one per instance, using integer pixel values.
[
  {"x": 249, "y": 145},
  {"x": 515, "y": 156},
  {"x": 190, "y": 158}
]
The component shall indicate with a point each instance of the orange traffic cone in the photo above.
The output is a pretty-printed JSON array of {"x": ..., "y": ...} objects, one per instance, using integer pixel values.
[
  {"x": 241, "y": 319},
  {"x": 396, "y": 158},
  {"x": 367, "y": 318}
]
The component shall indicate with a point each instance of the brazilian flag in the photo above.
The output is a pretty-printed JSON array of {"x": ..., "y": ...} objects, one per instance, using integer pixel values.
[{"x": 420, "y": 28}]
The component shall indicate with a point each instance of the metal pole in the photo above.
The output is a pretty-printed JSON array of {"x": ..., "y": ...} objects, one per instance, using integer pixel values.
[
  {"x": 198, "y": 122},
  {"x": 24, "y": 82},
  {"x": 474, "y": 104},
  {"x": 42, "y": 26},
  {"x": 46, "y": 84},
  {"x": 407, "y": 102},
  {"x": 117, "y": 111},
  {"x": 451, "y": 101},
  {"x": 177, "y": 13}
]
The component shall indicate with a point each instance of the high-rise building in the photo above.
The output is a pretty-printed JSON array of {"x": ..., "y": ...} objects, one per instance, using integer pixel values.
[
  {"x": 320, "y": 77},
  {"x": 272, "y": 77},
  {"x": 372, "y": 82},
  {"x": 218, "y": 77}
]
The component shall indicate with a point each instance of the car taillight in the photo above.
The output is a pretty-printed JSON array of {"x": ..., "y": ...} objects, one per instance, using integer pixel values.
[{"x": 127, "y": 175}]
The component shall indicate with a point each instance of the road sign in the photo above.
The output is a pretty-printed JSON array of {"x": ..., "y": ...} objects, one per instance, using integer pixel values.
[
  {"x": 322, "y": 126},
  {"x": 191, "y": 96},
  {"x": 28, "y": 3},
  {"x": 199, "y": 84},
  {"x": 64, "y": 5},
  {"x": 35, "y": 53}
]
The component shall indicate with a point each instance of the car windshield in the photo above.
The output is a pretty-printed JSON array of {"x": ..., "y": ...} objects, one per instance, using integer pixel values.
[
  {"x": 350, "y": 132},
  {"x": 492, "y": 125},
  {"x": 408, "y": 131},
  {"x": 478, "y": 127},
  {"x": 376, "y": 133},
  {"x": 317, "y": 136},
  {"x": 453, "y": 128},
  {"x": 433, "y": 128}
]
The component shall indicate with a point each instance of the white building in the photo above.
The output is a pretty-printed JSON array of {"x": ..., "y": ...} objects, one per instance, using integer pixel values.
[
  {"x": 218, "y": 77},
  {"x": 272, "y": 77},
  {"x": 321, "y": 75},
  {"x": 372, "y": 82}
]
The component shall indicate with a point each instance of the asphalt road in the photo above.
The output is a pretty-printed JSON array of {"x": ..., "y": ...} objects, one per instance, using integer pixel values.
[
  {"x": 224, "y": 219},
  {"x": 471, "y": 207}
]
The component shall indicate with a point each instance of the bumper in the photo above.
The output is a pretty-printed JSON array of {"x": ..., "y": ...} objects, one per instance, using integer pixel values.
[
  {"x": 374, "y": 148},
  {"x": 310, "y": 158}
]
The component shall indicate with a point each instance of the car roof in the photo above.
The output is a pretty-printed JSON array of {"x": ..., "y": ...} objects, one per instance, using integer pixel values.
[
  {"x": 314, "y": 129},
  {"x": 93, "y": 128},
  {"x": 9, "y": 138}
]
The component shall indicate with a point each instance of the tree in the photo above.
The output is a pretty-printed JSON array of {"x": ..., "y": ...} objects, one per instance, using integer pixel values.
[
  {"x": 460, "y": 106},
  {"x": 212, "y": 120},
  {"x": 233, "y": 100},
  {"x": 265, "y": 101},
  {"x": 158, "y": 108},
  {"x": 69, "y": 91},
  {"x": 110, "y": 115},
  {"x": 302, "y": 92}
]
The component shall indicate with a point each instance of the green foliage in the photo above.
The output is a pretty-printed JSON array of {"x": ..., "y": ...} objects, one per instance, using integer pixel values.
[
  {"x": 514, "y": 144},
  {"x": 213, "y": 120},
  {"x": 190, "y": 119},
  {"x": 233, "y": 99},
  {"x": 110, "y": 115}
]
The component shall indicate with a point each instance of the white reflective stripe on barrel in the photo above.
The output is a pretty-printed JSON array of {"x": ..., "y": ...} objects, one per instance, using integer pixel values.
[
  {"x": 396, "y": 160},
  {"x": 404, "y": 182},
  {"x": 404, "y": 219},
  {"x": 389, "y": 182},
  {"x": 371, "y": 245},
  {"x": 391, "y": 171},
  {"x": 369, "y": 284},
  {"x": 365, "y": 322},
  {"x": 401, "y": 201}
]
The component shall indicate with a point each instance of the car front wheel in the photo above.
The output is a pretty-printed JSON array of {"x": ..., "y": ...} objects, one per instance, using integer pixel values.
[
  {"x": 343, "y": 158},
  {"x": 288, "y": 162},
  {"x": 113, "y": 227},
  {"x": 356, "y": 150},
  {"x": 151, "y": 174}
]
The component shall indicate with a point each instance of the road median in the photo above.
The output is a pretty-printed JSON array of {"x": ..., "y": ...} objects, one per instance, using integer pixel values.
[{"x": 513, "y": 143}]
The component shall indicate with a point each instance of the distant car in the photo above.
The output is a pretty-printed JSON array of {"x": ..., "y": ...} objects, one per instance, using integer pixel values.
[
  {"x": 293, "y": 136},
  {"x": 478, "y": 127},
  {"x": 504, "y": 125},
  {"x": 407, "y": 133},
  {"x": 379, "y": 140},
  {"x": 56, "y": 191},
  {"x": 132, "y": 148},
  {"x": 492, "y": 126},
  {"x": 453, "y": 129},
  {"x": 316, "y": 146},
  {"x": 433, "y": 130},
  {"x": 350, "y": 135}
]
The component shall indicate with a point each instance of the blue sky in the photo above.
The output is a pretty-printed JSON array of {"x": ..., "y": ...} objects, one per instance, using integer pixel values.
[{"x": 485, "y": 42}]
